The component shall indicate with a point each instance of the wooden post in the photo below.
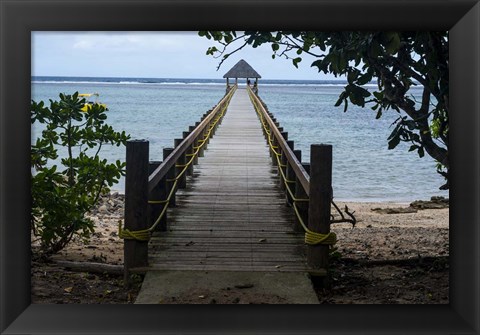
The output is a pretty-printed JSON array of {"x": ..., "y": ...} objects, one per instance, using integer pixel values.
[
  {"x": 265, "y": 131},
  {"x": 215, "y": 127},
  {"x": 159, "y": 192},
  {"x": 182, "y": 182},
  {"x": 136, "y": 204},
  {"x": 289, "y": 174},
  {"x": 188, "y": 155},
  {"x": 300, "y": 193},
  {"x": 197, "y": 143},
  {"x": 210, "y": 124},
  {"x": 205, "y": 131},
  {"x": 201, "y": 152},
  {"x": 320, "y": 202},
  {"x": 171, "y": 174},
  {"x": 283, "y": 161},
  {"x": 277, "y": 149}
]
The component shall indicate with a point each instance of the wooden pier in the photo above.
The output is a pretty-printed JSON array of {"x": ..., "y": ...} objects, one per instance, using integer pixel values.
[
  {"x": 232, "y": 215},
  {"x": 232, "y": 195}
]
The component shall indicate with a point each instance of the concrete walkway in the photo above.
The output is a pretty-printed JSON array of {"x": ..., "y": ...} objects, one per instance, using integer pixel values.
[{"x": 222, "y": 287}]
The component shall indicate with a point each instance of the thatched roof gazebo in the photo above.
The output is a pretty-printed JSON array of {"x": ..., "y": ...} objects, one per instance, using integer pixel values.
[{"x": 242, "y": 70}]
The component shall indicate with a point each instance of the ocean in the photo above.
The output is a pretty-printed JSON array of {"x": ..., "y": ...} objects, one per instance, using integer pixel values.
[{"x": 159, "y": 110}]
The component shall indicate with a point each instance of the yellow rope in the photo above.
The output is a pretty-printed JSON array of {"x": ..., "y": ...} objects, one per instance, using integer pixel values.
[
  {"x": 145, "y": 234},
  {"x": 311, "y": 237},
  {"x": 154, "y": 202}
]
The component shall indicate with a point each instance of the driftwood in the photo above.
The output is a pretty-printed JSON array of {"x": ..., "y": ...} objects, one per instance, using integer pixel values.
[
  {"x": 352, "y": 220},
  {"x": 92, "y": 267}
]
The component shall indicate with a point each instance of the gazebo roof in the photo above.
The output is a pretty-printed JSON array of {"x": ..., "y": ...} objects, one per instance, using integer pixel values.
[{"x": 242, "y": 70}]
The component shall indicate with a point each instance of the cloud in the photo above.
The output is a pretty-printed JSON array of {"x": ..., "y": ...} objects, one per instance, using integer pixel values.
[
  {"x": 129, "y": 41},
  {"x": 83, "y": 44}
]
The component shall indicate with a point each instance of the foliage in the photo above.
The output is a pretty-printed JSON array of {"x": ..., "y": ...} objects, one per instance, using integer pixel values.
[
  {"x": 62, "y": 195},
  {"x": 395, "y": 61}
]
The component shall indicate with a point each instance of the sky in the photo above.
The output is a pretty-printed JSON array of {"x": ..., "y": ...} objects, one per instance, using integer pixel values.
[{"x": 152, "y": 55}]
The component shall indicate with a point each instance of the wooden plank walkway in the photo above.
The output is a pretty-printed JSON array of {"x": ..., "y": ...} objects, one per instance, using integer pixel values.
[{"x": 232, "y": 215}]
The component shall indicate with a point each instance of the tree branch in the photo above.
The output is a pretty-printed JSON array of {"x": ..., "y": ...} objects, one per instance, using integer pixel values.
[{"x": 352, "y": 219}]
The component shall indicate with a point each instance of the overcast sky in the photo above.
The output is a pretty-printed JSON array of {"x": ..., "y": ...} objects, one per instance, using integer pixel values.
[{"x": 150, "y": 55}]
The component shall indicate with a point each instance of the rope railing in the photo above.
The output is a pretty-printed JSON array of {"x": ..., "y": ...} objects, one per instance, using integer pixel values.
[
  {"x": 271, "y": 133},
  {"x": 311, "y": 237},
  {"x": 145, "y": 234}
]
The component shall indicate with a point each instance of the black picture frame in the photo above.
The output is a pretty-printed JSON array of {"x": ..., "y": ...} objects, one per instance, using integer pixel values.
[{"x": 19, "y": 18}]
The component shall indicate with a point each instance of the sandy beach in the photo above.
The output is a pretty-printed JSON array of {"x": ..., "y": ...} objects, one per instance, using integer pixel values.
[
  {"x": 385, "y": 234},
  {"x": 376, "y": 236}
]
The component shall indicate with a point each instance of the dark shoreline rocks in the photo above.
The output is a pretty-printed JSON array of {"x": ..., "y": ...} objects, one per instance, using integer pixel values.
[{"x": 433, "y": 203}]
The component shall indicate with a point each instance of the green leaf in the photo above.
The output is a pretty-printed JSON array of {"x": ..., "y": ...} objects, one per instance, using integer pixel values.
[
  {"x": 393, "y": 142},
  {"x": 378, "y": 95},
  {"x": 394, "y": 44},
  {"x": 421, "y": 152},
  {"x": 295, "y": 61},
  {"x": 341, "y": 98},
  {"x": 413, "y": 147},
  {"x": 352, "y": 75}
]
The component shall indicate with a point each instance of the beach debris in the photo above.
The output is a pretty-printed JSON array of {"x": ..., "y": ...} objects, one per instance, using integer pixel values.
[
  {"x": 352, "y": 220},
  {"x": 397, "y": 210},
  {"x": 433, "y": 203}
]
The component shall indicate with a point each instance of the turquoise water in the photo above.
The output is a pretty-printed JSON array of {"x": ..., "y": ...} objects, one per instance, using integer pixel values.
[{"x": 363, "y": 168}]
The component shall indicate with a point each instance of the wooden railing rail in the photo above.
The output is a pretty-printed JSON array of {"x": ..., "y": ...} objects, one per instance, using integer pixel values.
[
  {"x": 179, "y": 150},
  {"x": 295, "y": 163}
]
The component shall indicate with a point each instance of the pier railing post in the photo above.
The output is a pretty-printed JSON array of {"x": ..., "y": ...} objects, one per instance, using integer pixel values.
[
  {"x": 188, "y": 155},
  {"x": 283, "y": 162},
  {"x": 289, "y": 174},
  {"x": 320, "y": 202},
  {"x": 196, "y": 143},
  {"x": 182, "y": 181},
  {"x": 300, "y": 193},
  {"x": 157, "y": 194},
  {"x": 136, "y": 203},
  {"x": 169, "y": 177}
]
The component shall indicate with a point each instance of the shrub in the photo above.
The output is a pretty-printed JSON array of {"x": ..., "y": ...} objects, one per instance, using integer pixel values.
[{"x": 63, "y": 194}]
